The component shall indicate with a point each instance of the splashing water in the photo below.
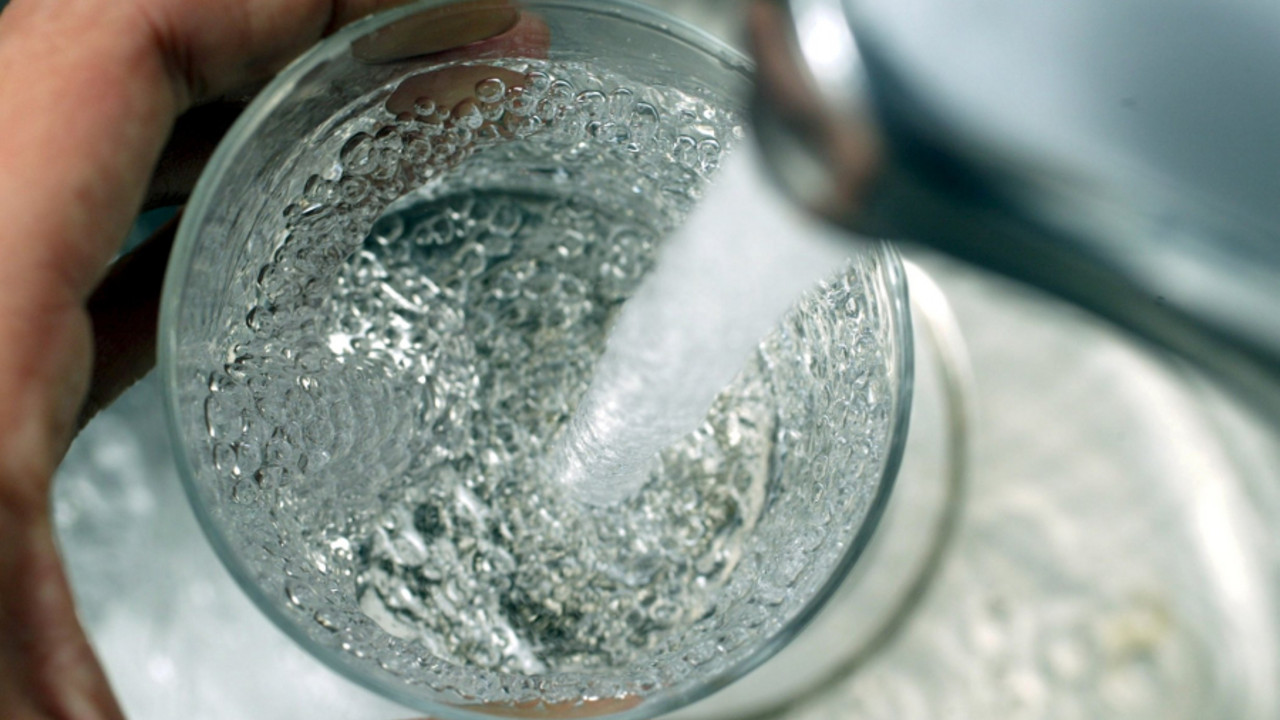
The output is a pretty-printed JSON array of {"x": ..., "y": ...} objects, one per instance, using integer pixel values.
[
  {"x": 425, "y": 325},
  {"x": 722, "y": 282}
]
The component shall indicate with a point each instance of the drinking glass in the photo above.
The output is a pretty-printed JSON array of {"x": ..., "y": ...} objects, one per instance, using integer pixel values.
[{"x": 387, "y": 295}]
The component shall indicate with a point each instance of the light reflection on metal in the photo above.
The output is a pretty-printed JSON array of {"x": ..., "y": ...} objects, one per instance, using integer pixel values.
[{"x": 866, "y": 146}]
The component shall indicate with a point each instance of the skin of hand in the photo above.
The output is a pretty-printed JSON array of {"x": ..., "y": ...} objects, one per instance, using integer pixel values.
[{"x": 107, "y": 107}]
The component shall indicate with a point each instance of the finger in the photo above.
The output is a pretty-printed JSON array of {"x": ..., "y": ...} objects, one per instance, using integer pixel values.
[
  {"x": 195, "y": 136},
  {"x": 90, "y": 89},
  {"x": 448, "y": 87},
  {"x": 480, "y": 25},
  {"x": 437, "y": 30},
  {"x": 47, "y": 669},
  {"x": 124, "y": 311},
  {"x": 851, "y": 149},
  {"x": 125, "y": 306}
]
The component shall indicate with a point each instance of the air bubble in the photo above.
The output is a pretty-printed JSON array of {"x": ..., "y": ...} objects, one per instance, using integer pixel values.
[
  {"x": 425, "y": 107},
  {"x": 301, "y": 595},
  {"x": 318, "y": 191},
  {"x": 440, "y": 230},
  {"x": 686, "y": 152},
  {"x": 592, "y": 103},
  {"x": 248, "y": 455},
  {"x": 271, "y": 477},
  {"x": 611, "y": 132},
  {"x": 457, "y": 138},
  {"x": 417, "y": 151},
  {"x": 521, "y": 127},
  {"x": 224, "y": 459},
  {"x": 537, "y": 83},
  {"x": 357, "y": 155},
  {"x": 253, "y": 320},
  {"x": 644, "y": 123},
  {"x": 439, "y": 118},
  {"x": 245, "y": 492},
  {"x": 387, "y": 230},
  {"x": 491, "y": 112},
  {"x": 520, "y": 102},
  {"x": 470, "y": 259},
  {"x": 708, "y": 156},
  {"x": 328, "y": 619},
  {"x": 505, "y": 220},
  {"x": 280, "y": 450},
  {"x": 490, "y": 90},
  {"x": 559, "y": 90},
  {"x": 459, "y": 207},
  {"x": 222, "y": 418},
  {"x": 467, "y": 114},
  {"x": 620, "y": 103},
  {"x": 353, "y": 189}
]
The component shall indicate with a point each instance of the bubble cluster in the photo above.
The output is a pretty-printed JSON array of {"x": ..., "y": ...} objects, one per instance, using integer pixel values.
[{"x": 426, "y": 322}]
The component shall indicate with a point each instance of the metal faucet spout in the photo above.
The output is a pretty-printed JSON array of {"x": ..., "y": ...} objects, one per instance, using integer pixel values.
[{"x": 849, "y": 135}]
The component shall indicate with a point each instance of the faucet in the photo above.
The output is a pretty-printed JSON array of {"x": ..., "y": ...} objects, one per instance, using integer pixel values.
[{"x": 851, "y": 133}]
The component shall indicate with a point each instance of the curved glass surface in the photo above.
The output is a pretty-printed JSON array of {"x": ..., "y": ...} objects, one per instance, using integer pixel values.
[{"x": 385, "y": 296}]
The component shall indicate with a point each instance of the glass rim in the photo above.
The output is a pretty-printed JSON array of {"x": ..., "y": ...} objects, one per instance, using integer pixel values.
[{"x": 179, "y": 266}]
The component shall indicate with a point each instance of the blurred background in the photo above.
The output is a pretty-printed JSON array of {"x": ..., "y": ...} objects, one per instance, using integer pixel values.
[{"x": 1116, "y": 554}]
